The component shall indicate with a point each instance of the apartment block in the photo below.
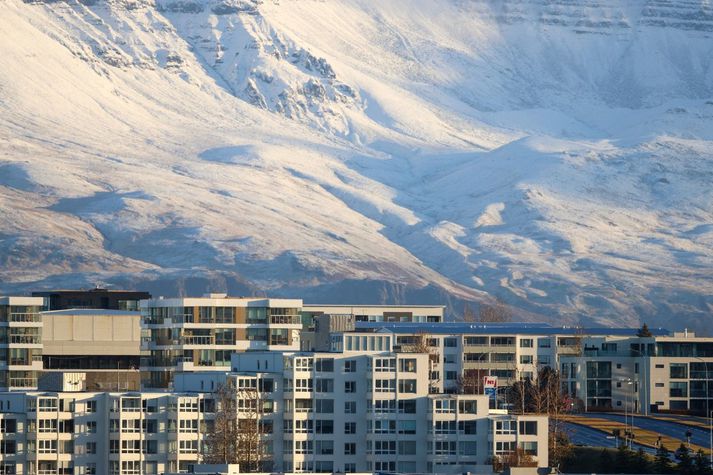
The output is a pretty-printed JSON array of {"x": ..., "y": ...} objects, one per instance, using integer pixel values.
[
  {"x": 200, "y": 334},
  {"x": 464, "y": 353},
  {"x": 51, "y": 433},
  {"x": 20, "y": 342},
  {"x": 105, "y": 345},
  {"x": 660, "y": 373},
  {"x": 367, "y": 411}
]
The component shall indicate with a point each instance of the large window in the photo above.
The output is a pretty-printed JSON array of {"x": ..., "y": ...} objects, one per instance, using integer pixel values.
[
  {"x": 678, "y": 389},
  {"x": 679, "y": 371},
  {"x": 599, "y": 369},
  {"x": 528, "y": 427}
]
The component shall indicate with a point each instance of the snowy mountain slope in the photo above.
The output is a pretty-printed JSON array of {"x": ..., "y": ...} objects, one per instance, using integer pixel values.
[{"x": 555, "y": 154}]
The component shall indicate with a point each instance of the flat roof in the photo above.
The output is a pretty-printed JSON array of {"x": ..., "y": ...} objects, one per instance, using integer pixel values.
[
  {"x": 323, "y": 305},
  {"x": 510, "y": 328},
  {"x": 93, "y": 311},
  {"x": 21, "y": 300}
]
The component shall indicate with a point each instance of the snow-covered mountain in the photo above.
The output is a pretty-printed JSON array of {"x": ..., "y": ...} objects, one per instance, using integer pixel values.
[{"x": 557, "y": 154}]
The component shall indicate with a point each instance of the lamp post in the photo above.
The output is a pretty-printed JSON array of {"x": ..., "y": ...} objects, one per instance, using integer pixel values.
[{"x": 627, "y": 433}]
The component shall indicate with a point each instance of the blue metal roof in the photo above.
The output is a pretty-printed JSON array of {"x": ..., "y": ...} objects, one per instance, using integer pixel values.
[{"x": 510, "y": 328}]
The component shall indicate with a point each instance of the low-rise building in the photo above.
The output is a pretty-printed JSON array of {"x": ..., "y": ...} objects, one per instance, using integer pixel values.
[{"x": 657, "y": 373}]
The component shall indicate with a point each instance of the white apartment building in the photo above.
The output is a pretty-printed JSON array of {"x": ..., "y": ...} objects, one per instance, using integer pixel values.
[
  {"x": 463, "y": 353},
  {"x": 368, "y": 410},
  {"x": 20, "y": 342},
  {"x": 200, "y": 334},
  {"x": 53, "y": 433},
  {"x": 379, "y": 313},
  {"x": 643, "y": 374}
]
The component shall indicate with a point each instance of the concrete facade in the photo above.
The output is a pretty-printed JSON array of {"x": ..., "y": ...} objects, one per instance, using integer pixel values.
[
  {"x": 200, "y": 334},
  {"x": 20, "y": 342}
]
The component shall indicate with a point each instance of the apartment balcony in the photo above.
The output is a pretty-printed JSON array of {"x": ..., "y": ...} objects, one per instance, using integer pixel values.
[
  {"x": 197, "y": 340},
  {"x": 23, "y": 318},
  {"x": 285, "y": 320},
  {"x": 20, "y": 383},
  {"x": 24, "y": 340}
]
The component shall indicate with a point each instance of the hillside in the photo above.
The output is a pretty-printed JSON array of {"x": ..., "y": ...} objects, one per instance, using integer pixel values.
[{"x": 556, "y": 154}]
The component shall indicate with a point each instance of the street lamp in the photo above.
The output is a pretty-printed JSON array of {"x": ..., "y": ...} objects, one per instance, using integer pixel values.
[{"x": 627, "y": 433}]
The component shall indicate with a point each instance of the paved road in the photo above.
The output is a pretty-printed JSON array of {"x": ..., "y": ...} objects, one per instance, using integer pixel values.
[
  {"x": 581, "y": 435},
  {"x": 671, "y": 429}
]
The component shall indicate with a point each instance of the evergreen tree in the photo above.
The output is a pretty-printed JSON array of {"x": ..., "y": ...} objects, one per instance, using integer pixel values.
[
  {"x": 685, "y": 462},
  {"x": 644, "y": 331},
  {"x": 662, "y": 462},
  {"x": 641, "y": 463},
  {"x": 624, "y": 459},
  {"x": 701, "y": 464},
  {"x": 605, "y": 462}
]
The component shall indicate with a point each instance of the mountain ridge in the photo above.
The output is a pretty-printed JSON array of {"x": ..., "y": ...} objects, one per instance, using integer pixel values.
[{"x": 554, "y": 154}]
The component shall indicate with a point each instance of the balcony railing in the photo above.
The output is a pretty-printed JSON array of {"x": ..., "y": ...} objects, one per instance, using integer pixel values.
[
  {"x": 23, "y": 382},
  {"x": 25, "y": 339},
  {"x": 284, "y": 320},
  {"x": 198, "y": 340},
  {"x": 24, "y": 317}
]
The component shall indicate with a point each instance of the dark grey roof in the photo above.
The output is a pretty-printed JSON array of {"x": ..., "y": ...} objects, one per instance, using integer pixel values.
[{"x": 510, "y": 328}]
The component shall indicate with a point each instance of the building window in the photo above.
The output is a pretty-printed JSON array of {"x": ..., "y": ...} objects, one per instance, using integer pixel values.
[
  {"x": 384, "y": 385},
  {"x": 444, "y": 406},
  {"x": 324, "y": 385},
  {"x": 350, "y": 407},
  {"x": 526, "y": 343},
  {"x": 324, "y": 447},
  {"x": 349, "y": 386},
  {"x": 678, "y": 389},
  {"x": 349, "y": 468},
  {"x": 467, "y": 407},
  {"x": 528, "y": 427},
  {"x": 350, "y": 427},
  {"x": 526, "y": 359},
  {"x": 505, "y": 427},
  {"x": 324, "y": 426},
  {"x": 407, "y": 386},
  {"x": 349, "y": 449},
  {"x": 450, "y": 342},
  {"x": 468, "y": 448},
  {"x": 407, "y": 427},
  {"x": 529, "y": 448},
  {"x": 384, "y": 365},
  {"x": 679, "y": 370},
  {"x": 324, "y": 406},
  {"x": 407, "y": 365},
  {"x": 350, "y": 366},
  {"x": 407, "y": 447}
]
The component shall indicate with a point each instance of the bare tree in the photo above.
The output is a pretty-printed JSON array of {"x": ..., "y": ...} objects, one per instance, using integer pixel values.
[
  {"x": 421, "y": 345},
  {"x": 471, "y": 381},
  {"x": 497, "y": 312},
  {"x": 222, "y": 441},
  {"x": 236, "y": 436},
  {"x": 251, "y": 448},
  {"x": 516, "y": 458}
]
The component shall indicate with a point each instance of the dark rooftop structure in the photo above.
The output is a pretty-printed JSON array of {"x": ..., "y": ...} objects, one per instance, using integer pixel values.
[
  {"x": 93, "y": 298},
  {"x": 525, "y": 328}
]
